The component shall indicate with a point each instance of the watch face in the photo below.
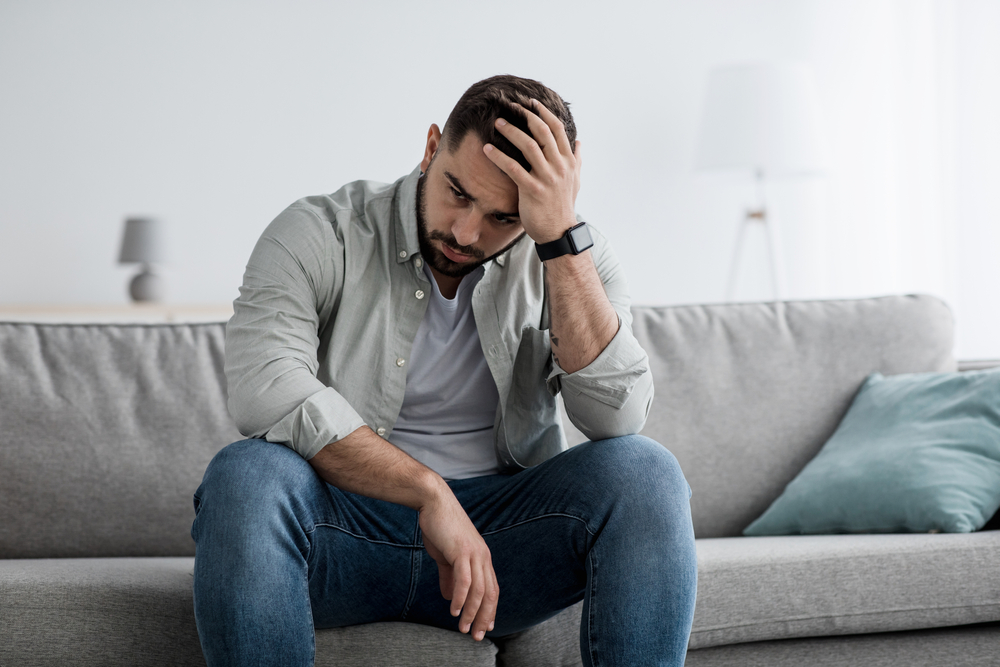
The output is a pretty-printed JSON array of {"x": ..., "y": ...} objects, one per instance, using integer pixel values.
[{"x": 580, "y": 239}]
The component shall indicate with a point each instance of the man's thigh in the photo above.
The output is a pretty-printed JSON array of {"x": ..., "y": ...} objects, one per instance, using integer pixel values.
[
  {"x": 362, "y": 560},
  {"x": 539, "y": 525}
]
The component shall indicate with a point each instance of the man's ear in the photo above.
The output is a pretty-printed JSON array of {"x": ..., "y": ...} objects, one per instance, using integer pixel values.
[{"x": 433, "y": 143}]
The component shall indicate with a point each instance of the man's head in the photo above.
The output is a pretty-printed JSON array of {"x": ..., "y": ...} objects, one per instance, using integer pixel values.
[
  {"x": 480, "y": 106},
  {"x": 467, "y": 208}
]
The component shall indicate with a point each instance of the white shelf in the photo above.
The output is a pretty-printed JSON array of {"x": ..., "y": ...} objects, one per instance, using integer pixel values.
[{"x": 115, "y": 313}]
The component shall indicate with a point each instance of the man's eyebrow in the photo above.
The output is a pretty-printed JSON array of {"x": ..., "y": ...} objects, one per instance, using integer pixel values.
[{"x": 457, "y": 184}]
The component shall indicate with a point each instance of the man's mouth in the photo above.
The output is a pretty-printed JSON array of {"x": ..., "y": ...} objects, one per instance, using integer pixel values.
[{"x": 454, "y": 255}]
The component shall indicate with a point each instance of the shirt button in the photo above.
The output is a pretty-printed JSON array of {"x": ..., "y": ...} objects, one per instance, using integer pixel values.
[
  {"x": 400, "y": 361},
  {"x": 402, "y": 253},
  {"x": 419, "y": 294},
  {"x": 380, "y": 430},
  {"x": 419, "y": 262}
]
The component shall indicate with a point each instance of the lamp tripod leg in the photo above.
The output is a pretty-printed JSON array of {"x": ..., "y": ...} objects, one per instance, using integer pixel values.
[
  {"x": 774, "y": 254},
  {"x": 734, "y": 265}
]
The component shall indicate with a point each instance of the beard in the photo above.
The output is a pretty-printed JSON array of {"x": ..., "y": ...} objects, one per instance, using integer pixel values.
[{"x": 435, "y": 257}]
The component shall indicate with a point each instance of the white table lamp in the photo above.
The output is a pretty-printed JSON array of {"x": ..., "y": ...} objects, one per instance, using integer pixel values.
[
  {"x": 142, "y": 243},
  {"x": 763, "y": 118}
]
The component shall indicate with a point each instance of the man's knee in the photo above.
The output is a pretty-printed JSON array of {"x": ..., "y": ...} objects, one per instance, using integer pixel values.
[
  {"x": 639, "y": 466},
  {"x": 253, "y": 469}
]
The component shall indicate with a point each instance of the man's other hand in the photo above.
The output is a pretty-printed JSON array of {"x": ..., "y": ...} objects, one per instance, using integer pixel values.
[{"x": 464, "y": 563}]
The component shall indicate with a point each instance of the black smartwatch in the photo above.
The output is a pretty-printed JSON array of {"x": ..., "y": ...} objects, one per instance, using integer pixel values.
[{"x": 573, "y": 242}]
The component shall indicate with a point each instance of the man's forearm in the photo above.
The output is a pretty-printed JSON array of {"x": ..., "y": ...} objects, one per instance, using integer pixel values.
[
  {"x": 366, "y": 464},
  {"x": 583, "y": 319}
]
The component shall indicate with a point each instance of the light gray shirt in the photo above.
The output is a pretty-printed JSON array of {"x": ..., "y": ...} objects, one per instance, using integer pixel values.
[
  {"x": 330, "y": 304},
  {"x": 450, "y": 403}
]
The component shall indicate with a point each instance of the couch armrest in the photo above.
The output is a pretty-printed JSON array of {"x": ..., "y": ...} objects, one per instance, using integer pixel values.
[{"x": 977, "y": 364}]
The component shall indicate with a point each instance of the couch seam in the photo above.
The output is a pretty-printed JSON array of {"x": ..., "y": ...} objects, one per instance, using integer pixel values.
[
  {"x": 835, "y": 559},
  {"x": 846, "y": 615}
]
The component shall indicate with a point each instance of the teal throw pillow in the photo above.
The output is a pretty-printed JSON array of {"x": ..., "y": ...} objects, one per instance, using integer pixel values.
[{"x": 917, "y": 452}]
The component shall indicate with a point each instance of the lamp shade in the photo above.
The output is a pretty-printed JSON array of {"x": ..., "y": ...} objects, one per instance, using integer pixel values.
[
  {"x": 142, "y": 241},
  {"x": 764, "y": 117}
]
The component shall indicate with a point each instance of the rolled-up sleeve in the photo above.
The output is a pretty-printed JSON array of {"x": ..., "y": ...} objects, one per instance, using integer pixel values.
[
  {"x": 611, "y": 396},
  {"x": 289, "y": 287}
]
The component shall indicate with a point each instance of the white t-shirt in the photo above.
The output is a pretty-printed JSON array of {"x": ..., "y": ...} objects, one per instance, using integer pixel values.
[{"x": 450, "y": 402}]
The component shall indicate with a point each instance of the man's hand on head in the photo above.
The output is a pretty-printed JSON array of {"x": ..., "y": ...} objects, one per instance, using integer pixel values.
[
  {"x": 546, "y": 194},
  {"x": 465, "y": 566}
]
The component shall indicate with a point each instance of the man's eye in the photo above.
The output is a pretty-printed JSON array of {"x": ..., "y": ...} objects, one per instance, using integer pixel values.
[
  {"x": 458, "y": 195},
  {"x": 502, "y": 219}
]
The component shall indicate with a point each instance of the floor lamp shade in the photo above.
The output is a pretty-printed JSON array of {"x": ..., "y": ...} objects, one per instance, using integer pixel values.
[{"x": 763, "y": 117}]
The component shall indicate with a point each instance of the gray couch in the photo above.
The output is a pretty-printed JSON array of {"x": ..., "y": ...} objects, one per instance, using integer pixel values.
[{"x": 105, "y": 431}]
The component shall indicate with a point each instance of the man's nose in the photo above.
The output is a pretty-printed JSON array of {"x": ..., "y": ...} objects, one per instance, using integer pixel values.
[{"x": 466, "y": 228}]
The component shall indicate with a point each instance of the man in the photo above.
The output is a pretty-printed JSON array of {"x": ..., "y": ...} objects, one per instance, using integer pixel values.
[{"x": 395, "y": 354}]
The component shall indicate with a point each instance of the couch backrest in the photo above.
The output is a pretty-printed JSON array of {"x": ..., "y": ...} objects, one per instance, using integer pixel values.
[
  {"x": 747, "y": 394},
  {"x": 105, "y": 432}
]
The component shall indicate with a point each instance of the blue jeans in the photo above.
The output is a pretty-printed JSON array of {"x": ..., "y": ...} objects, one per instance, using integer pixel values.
[{"x": 280, "y": 552}]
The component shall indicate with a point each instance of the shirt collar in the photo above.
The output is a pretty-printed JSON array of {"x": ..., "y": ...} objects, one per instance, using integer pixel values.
[{"x": 407, "y": 245}]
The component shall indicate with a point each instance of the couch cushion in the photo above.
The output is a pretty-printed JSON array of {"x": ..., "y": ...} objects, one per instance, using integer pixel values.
[
  {"x": 407, "y": 644},
  {"x": 917, "y": 452},
  {"x": 747, "y": 394},
  {"x": 555, "y": 643},
  {"x": 552, "y": 643},
  {"x": 762, "y": 588},
  {"x": 140, "y": 611},
  {"x": 98, "y": 611},
  {"x": 962, "y": 646},
  {"x": 105, "y": 432}
]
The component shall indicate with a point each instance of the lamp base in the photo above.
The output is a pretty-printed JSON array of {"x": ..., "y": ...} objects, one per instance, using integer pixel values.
[{"x": 146, "y": 286}]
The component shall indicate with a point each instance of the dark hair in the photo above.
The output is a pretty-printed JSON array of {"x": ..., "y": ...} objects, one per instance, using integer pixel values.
[{"x": 492, "y": 98}]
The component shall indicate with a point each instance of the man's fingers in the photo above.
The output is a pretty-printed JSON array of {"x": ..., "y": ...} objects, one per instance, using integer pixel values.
[
  {"x": 486, "y": 616},
  {"x": 507, "y": 164},
  {"x": 544, "y": 131},
  {"x": 474, "y": 600},
  {"x": 531, "y": 147},
  {"x": 555, "y": 126},
  {"x": 579, "y": 165},
  {"x": 461, "y": 581},
  {"x": 447, "y": 580}
]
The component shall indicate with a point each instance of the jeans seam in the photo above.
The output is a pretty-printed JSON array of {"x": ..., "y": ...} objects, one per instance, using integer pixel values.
[
  {"x": 414, "y": 570},
  {"x": 590, "y": 608},
  {"x": 542, "y": 516},
  {"x": 361, "y": 537}
]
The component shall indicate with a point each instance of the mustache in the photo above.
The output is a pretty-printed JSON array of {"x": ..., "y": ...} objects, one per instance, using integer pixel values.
[{"x": 450, "y": 241}]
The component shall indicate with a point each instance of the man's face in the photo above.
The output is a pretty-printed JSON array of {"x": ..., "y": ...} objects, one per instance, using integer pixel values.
[{"x": 466, "y": 207}]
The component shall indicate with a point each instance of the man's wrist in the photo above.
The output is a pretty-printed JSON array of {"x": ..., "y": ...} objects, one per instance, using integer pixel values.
[
  {"x": 433, "y": 491},
  {"x": 554, "y": 234},
  {"x": 574, "y": 241}
]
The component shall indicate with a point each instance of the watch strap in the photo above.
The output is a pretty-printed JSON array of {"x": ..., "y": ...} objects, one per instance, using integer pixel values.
[
  {"x": 553, "y": 249},
  {"x": 561, "y": 246}
]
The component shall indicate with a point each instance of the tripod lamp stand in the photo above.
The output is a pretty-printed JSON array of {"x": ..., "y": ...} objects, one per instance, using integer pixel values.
[{"x": 761, "y": 119}]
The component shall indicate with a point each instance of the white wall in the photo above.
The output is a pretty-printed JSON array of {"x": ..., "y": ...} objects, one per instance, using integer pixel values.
[{"x": 214, "y": 115}]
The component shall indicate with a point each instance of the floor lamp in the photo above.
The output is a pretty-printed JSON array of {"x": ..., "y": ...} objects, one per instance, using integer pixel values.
[{"x": 762, "y": 119}]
